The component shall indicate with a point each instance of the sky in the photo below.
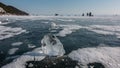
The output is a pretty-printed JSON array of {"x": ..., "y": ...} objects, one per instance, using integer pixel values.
[{"x": 63, "y": 7}]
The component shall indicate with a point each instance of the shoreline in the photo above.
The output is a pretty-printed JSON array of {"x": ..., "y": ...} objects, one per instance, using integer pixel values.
[{"x": 43, "y": 16}]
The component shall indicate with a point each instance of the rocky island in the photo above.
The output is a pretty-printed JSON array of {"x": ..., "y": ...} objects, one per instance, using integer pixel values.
[{"x": 10, "y": 10}]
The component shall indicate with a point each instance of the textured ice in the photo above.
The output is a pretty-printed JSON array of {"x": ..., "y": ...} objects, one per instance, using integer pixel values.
[
  {"x": 100, "y": 29},
  {"x": 17, "y": 43},
  {"x": 52, "y": 46},
  {"x": 68, "y": 29},
  {"x": 29, "y": 56},
  {"x": 105, "y": 29},
  {"x": 12, "y": 51},
  {"x": 7, "y": 32},
  {"x": 108, "y": 56}
]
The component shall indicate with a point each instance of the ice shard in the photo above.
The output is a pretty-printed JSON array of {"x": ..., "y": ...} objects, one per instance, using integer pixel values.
[{"x": 52, "y": 46}]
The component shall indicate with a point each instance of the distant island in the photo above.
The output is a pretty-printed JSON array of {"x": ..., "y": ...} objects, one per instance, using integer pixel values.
[{"x": 10, "y": 10}]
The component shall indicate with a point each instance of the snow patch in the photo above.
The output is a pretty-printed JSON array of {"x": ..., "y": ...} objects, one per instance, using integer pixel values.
[
  {"x": 105, "y": 29},
  {"x": 7, "y": 32},
  {"x": 31, "y": 46},
  {"x": 66, "y": 20},
  {"x": 29, "y": 56},
  {"x": 100, "y": 29},
  {"x": 17, "y": 43},
  {"x": 68, "y": 29},
  {"x": 12, "y": 51},
  {"x": 108, "y": 56}
]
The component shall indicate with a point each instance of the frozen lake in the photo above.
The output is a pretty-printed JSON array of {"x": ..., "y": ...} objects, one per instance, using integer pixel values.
[{"x": 85, "y": 39}]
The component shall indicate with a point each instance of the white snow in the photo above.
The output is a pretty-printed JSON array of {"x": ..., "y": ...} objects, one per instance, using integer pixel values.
[
  {"x": 100, "y": 29},
  {"x": 68, "y": 29},
  {"x": 12, "y": 51},
  {"x": 31, "y": 46},
  {"x": 30, "y": 65},
  {"x": 108, "y": 56},
  {"x": 7, "y": 32},
  {"x": 66, "y": 20},
  {"x": 29, "y": 56},
  {"x": 52, "y": 46},
  {"x": 17, "y": 43},
  {"x": 105, "y": 29}
]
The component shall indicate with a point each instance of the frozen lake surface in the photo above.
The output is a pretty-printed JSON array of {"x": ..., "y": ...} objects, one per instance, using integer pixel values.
[{"x": 87, "y": 40}]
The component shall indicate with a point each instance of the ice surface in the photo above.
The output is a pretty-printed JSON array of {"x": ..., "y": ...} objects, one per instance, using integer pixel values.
[
  {"x": 105, "y": 29},
  {"x": 7, "y": 32},
  {"x": 108, "y": 56},
  {"x": 68, "y": 29},
  {"x": 12, "y": 51},
  {"x": 52, "y": 46},
  {"x": 17, "y": 43},
  {"x": 66, "y": 20},
  {"x": 100, "y": 29},
  {"x": 29, "y": 56}
]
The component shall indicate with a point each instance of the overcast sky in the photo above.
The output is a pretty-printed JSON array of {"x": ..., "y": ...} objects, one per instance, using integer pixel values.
[{"x": 48, "y": 7}]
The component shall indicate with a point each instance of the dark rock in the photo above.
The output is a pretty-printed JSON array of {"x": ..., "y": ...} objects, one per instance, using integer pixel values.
[
  {"x": 96, "y": 65},
  {"x": 56, "y": 14},
  {"x": 52, "y": 62}
]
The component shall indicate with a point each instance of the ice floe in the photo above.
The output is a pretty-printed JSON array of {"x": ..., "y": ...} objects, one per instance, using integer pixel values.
[
  {"x": 52, "y": 46},
  {"x": 108, "y": 56}
]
